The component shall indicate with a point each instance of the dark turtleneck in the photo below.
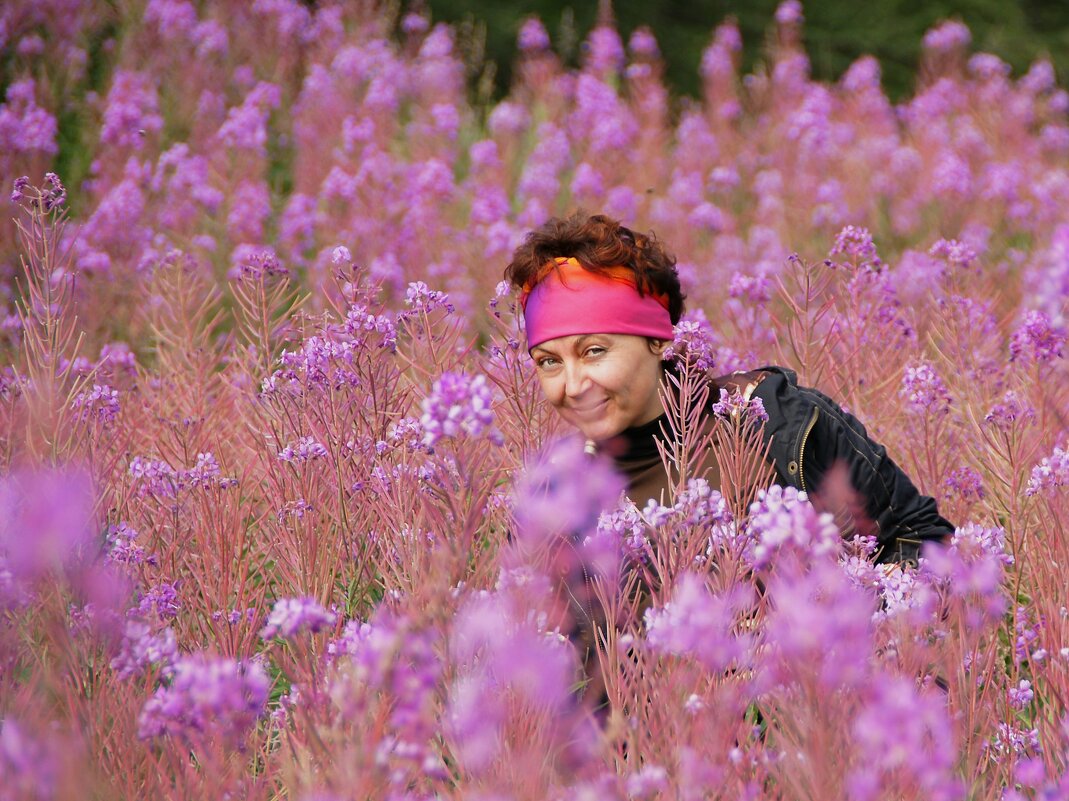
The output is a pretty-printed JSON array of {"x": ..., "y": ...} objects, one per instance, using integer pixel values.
[
  {"x": 635, "y": 454},
  {"x": 635, "y": 450}
]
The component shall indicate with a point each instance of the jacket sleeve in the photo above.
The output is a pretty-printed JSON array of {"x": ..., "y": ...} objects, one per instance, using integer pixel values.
[{"x": 901, "y": 518}]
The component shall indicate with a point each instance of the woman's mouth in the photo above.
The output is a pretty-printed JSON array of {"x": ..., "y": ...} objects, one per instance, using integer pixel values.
[{"x": 589, "y": 410}]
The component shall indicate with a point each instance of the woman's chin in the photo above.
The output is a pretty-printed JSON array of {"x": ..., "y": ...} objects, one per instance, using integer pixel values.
[{"x": 600, "y": 432}]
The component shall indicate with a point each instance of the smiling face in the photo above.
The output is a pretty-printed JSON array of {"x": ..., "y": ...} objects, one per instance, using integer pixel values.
[{"x": 601, "y": 383}]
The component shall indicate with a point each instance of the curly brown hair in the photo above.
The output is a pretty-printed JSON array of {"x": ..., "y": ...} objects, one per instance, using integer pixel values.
[{"x": 598, "y": 243}]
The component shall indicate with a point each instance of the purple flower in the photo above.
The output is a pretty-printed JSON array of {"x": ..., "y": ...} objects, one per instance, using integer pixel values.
[
  {"x": 18, "y": 190},
  {"x": 622, "y": 203},
  {"x": 235, "y": 616},
  {"x": 298, "y": 509},
  {"x": 1037, "y": 341},
  {"x": 971, "y": 570},
  {"x": 422, "y": 299},
  {"x": 319, "y": 364},
  {"x": 157, "y": 478},
  {"x": 29, "y": 766},
  {"x": 694, "y": 342},
  {"x": 1050, "y": 474},
  {"x": 604, "y": 50},
  {"x": 459, "y": 404},
  {"x": 587, "y": 182},
  {"x": 122, "y": 548},
  {"x": 161, "y": 599},
  {"x": 100, "y": 405},
  {"x": 856, "y": 243},
  {"x": 255, "y": 263},
  {"x": 620, "y": 531},
  {"x": 171, "y": 18},
  {"x": 733, "y": 405},
  {"x": 250, "y": 207},
  {"x": 1026, "y": 646},
  {"x": 45, "y": 198},
  {"x": 1011, "y": 409},
  {"x": 395, "y": 658},
  {"x": 643, "y": 43},
  {"x": 359, "y": 321},
  {"x": 415, "y": 23},
  {"x": 211, "y": 39},
  {"x": 820, "y": 627},
  {"x": 707, "y": 217},
  {"x": 789, "y": 12},
  {"x": 131, "y": 111},
  {"x": 1011, "y": 739},
  {"x": 924, "y": 391},
  {"x": 46, "y": 520},
  {"x": 533, "y": 36},
  {"x": 205, "y": 473},
  {"x": 718, "y": 58},
  {"x": 783, "y": 520},
  {"x": 902, "y": 593},
  {"x": 564, "y": 492},
  {"x": 1040, "y": 77},
  {"x": 1021, "y": 695},
  {"x": 648, "y": 782},
  {"x": 508, "y": 119},
  {"x": 946, "y": 36},
  {"x": 341, "y": 256},
  {"x": 116, "y": 358},
  {"x": 862, "y": 75},
  {"x": 965, "y": 483},
  {"x": 955, "y": 253},
  {"x": 245, "y": 127},
  {"x": 142, "y": 647},
  {"x": 753, "y": 290},
  {"x": 514, "y": 654},
  {"x": 25, "y": 127},
  {"x": 987, "y": 66},
  {"x": 903, "y": 738},
  {"x": 304, "y": 449},
  {"x": 474, "y": 719},
  {"x": 290, "y": 616},
  {"x": 206, "y": 695},
  {"x": 1031, "y": 773},
  {"x": 701, "y": 505},
  {"x": 697, "y": 623}
]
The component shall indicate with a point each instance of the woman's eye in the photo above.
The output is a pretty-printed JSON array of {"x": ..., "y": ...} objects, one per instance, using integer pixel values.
[
  {"x": 545, "y": 363},
  {"x": 595, "y": 351}
]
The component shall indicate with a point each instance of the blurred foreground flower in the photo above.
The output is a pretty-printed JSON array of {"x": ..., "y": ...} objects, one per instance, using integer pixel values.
[
  {"x": 697, "y": 623},
  {"x": 905, "y": 745},
  {"x": 207, "y": 695},
  {"x": 46, "y": 520}
]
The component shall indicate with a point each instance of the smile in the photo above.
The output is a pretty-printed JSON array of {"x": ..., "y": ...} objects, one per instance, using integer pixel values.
[{"x": 589, "y": 411}]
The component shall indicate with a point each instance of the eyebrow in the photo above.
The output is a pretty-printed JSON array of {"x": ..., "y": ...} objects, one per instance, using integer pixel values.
[{"x": 582, "y": 340}]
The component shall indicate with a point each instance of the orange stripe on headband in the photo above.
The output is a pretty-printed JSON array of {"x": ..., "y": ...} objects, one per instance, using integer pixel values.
[{"x": 569, "y": 269}]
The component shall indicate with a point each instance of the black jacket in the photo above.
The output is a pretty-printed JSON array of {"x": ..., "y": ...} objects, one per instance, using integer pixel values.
[{"x": 809, "y": 433}]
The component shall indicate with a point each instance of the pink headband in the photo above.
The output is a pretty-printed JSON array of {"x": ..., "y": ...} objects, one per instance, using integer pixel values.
[{"x": 571, "y": 300}]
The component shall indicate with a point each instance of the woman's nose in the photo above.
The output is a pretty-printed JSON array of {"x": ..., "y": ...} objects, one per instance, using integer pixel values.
[{"x": 575, "y": 380}]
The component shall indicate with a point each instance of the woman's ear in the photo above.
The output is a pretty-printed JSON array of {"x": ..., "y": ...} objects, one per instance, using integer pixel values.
[{"x": 658, "y": 346}]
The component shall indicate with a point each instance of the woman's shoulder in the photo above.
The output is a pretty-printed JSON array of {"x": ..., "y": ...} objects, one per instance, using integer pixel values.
[{"x": 743, "y": 382}]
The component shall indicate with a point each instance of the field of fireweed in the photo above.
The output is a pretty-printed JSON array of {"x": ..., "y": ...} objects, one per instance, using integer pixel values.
[{"x": 282, "y": 514}]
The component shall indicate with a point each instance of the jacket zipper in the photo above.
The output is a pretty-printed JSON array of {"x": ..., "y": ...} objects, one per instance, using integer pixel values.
[{"x": 801, "y": 448}]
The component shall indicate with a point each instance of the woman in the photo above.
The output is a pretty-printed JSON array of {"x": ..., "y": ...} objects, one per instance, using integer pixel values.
[{"x": 599, "y": 304}]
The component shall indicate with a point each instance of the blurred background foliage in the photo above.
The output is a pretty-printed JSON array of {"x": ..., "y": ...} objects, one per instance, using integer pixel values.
[{"x": 836, "y": 31}]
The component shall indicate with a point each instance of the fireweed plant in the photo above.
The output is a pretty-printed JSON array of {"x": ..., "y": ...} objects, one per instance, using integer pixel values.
[{"x": 282, "y": 514}]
